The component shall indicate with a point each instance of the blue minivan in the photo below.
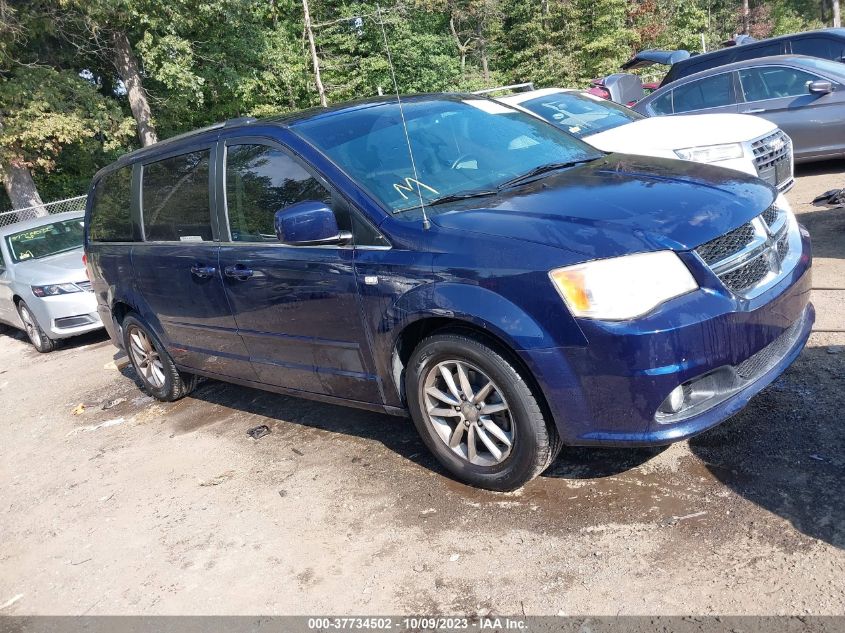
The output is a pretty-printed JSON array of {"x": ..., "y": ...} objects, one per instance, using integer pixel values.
[{"x": 448, "y": 257}]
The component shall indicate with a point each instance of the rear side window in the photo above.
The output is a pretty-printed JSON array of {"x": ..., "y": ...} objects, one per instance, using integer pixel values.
[
  {"x": 110, "y": 212},
  {"x": 710, "y": 92},
  {"x": 819, "y": 47},
  {"x": 175, "y": 199},
  {"x": 662, "y": 104}
]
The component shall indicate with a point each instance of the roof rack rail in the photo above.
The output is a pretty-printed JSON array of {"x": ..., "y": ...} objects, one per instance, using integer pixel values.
[
  {"x": 238, "y": 121},
  {"x": 524, "y": 87}
]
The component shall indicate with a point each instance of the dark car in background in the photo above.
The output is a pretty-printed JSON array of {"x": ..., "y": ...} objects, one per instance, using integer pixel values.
[
  {"x": 804, "y": 96},
  {"x": 823, "y": 43},
  {"x": 510, "y": 287}
]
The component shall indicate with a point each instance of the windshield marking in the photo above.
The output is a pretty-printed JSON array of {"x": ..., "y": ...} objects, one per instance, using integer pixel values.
[{"x": 401, "y": 189}]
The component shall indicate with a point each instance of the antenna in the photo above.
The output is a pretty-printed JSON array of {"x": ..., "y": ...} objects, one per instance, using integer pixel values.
[{"x": 426, "y": 223}]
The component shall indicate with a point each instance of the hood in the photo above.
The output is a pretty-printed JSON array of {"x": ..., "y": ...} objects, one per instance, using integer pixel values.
[
  {"x": 55, "y": 269},
  {"x": 682, "y": 131},
  {"x": 618, "y": 204}
]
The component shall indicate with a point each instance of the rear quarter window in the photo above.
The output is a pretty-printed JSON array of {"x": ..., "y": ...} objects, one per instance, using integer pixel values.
[
  {"x": 110, "y": 212},
  {"x": 175, "y": 199}
]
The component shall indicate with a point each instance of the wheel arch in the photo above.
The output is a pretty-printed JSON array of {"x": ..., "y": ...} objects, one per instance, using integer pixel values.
[{"x": 415, "y": 332}]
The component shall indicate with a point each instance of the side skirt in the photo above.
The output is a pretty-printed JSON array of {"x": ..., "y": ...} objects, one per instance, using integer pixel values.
[{"x": 297, "y": 393}]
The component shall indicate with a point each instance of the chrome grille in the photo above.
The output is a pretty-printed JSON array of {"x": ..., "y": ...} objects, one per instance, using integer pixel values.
[
  {"x": 750, "y": 255},
  {"x": 770, "y": 215},
  {"x": 748, "y": 275},
  {"x": 726, "y": 245},
  {"x": 773, "y": 159}
]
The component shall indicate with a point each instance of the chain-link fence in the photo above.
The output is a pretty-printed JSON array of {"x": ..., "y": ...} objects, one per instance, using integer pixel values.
[{"x": 49, "y": 208}]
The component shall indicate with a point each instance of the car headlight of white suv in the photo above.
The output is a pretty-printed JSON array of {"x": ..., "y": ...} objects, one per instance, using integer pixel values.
[{"x": 711, "y": 153}]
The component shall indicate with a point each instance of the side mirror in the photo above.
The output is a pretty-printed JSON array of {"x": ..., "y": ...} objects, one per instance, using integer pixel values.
[
  {"x": 820, "y": 87},
  {"x": 309, "y": 223}
]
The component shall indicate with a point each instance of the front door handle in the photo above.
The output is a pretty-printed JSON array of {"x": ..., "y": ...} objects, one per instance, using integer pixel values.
[
  {"x": 203, "y": 272},
  {"x": 754, "y": 111},
  {"x": 238, "y": 271}
]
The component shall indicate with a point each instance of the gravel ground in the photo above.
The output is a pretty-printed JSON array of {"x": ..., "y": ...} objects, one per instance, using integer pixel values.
[{"x": 150, "y": 508}]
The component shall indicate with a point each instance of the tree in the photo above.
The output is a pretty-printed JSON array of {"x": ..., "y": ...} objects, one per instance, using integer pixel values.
[
  {"x": 45, "y": 111},
  {"x": 837, "y": 21},
  {"x": 315, "y": 61},
  {"x": 102, "y": 28}
]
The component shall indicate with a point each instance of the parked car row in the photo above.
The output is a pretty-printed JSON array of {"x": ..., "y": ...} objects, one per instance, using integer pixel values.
[
  {"x": 795, "y": 81},
  {"x": 803, "y": 96}
]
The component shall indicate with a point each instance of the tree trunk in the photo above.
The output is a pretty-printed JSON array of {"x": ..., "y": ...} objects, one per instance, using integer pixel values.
[
  {"x": 315, "y": 61},
  {"x": 127, "y": 67},
  {"x": 463, "y": 47},
  {"x": 837, "y": 20},
  {"x": 745, "y": 16},
  {"x": 21, "y": 189}
]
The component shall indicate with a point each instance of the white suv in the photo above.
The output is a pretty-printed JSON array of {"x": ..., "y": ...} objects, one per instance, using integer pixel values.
[{"x": 737, "y": 141}]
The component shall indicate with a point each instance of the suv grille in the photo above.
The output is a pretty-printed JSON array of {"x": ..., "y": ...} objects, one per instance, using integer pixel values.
[
  {"x": 726, "y": 245},
  {"x": 773, "y": 159},
  {"x": 750, "y": 254}
]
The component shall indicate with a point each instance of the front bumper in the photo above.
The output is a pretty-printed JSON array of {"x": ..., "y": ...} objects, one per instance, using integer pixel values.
[
  {"x": 609, "y": 392},
  {"x": 66, "y": 315}
]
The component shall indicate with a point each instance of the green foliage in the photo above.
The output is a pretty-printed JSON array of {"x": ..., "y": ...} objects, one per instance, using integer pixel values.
[
  {"x": 207, "y": 60},
  {"x": 46, "y": 112}
]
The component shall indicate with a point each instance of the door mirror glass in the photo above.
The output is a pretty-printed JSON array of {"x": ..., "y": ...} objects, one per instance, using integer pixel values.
[
  {"x": 309, "y": 223},
  {"x": 820, "y": 87}
]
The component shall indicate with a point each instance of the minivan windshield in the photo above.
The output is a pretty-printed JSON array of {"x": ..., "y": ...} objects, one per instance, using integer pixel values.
[
  {"x": 45, "y": 240},
  {"x": 461, "y": 145},
  {"x": 581, "y": 114}
]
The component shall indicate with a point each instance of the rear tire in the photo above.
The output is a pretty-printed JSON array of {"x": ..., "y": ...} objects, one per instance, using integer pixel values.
[
  {"x": 37, "y": 336},
  {"x": 485, "y": 425},
  {"x": 154, "y": 366}
]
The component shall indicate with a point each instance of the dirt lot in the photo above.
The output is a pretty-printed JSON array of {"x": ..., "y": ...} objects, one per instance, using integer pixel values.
[{"x": 150, "y": 508}]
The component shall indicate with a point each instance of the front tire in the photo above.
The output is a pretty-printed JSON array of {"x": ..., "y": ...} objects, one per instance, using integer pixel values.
[
  {"x": 477, "y": 414},
  {"x": 153, "y": 365},
  {"x": 37, "y": 336}
]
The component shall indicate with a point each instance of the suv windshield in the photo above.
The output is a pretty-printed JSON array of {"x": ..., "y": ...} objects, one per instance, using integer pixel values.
[
  {"x": 581, "y": 114},
  {"x": 45, "y": 240},
  {"x": 460, "y": 145}
]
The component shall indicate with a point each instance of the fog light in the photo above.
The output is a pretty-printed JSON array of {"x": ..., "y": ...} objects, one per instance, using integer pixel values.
[{"x": 674, "y": 401}]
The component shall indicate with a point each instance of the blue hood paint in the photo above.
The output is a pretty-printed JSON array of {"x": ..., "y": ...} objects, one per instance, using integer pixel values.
[{"x": 616, "y": 205}]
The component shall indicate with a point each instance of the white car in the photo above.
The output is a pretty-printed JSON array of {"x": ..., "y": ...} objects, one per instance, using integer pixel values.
[{"x": 737, "y": 141}]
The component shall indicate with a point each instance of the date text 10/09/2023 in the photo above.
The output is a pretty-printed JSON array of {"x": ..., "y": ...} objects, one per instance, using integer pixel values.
[{"x": 491, "y": 623}]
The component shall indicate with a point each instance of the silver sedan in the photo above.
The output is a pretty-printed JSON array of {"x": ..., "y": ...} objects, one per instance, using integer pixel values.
[{"x": 43, "y": 286}]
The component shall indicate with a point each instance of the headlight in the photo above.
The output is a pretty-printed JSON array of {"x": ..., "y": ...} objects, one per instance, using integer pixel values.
[
  {"x": 54, "y": 289},
  {"x": 622, "y": 287},
  {"x": 711, "y": 153}
]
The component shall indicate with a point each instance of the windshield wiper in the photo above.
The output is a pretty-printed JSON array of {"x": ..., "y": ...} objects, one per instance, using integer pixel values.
[
  {"x": 454, "y": 197},
  {"x": 541, "y": 169}
]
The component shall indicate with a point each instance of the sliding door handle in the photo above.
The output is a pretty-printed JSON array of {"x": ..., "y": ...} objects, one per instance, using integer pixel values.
[
  {"x": 203, "y": 272},
  {"x": 238, "y": 271}
]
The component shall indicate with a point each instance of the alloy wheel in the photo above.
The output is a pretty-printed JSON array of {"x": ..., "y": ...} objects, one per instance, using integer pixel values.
[
  {"x": 32, "y": 329},
  {"x": 468, "y": 412},
  {"x": 146, "y": 358}
]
